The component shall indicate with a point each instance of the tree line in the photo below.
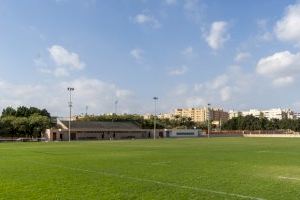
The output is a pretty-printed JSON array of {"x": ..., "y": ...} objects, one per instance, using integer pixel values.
[
  {"x": 24, "y": 121},
  {"x": 250, "y": 122},
  {"x": 177, "y": 122},
  {"x": 238, "y": 123}
]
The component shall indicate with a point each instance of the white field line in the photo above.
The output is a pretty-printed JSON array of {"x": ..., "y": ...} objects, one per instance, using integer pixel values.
[
  {"x": 18, "y": 148},
  {"x": 279, "y": 152},
  {"x": 151, "y": 181},
  {"x": 154, "y": 163},
  {"x": 289, "y": 178},
  {"x": 35, "y": 147}
]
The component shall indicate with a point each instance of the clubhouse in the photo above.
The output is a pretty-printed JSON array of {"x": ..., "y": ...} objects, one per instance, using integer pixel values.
[{"x": 103, "y": 130}]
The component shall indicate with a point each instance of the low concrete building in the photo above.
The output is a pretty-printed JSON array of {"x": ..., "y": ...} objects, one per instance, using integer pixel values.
[{"x": 97, "y": 130}]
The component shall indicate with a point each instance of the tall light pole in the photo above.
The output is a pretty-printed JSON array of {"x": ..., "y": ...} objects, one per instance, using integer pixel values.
[
  {"x": 86, "y": 110},
  {"x": 220, "y": 125},
  {"x": 116, "y": 106},
  {"x": 154, "y": 127},
  {"x": 70, "y": 89},
  {"x": 208, "y": 119}
]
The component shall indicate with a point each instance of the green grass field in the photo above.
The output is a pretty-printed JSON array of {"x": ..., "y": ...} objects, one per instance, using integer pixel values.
[{"x": 215, "y": 168}]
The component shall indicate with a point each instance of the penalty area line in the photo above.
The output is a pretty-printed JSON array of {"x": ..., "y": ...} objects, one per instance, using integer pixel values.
[{"x": 152, "y": 181}]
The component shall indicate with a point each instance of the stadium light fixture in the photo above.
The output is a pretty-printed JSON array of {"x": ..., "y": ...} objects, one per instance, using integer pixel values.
[
  {"x": 70, "y": 89},
  {"x": 154, "y": 126}
]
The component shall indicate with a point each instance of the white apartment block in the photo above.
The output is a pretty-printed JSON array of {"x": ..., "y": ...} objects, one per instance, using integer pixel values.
[
  {"x": 233, "y": 113},
  {"x": 253, "y": 112},
  {"x": 297, "y": 115},
  {"x": 166, "y": 116},
  {"x": 159, "y": 116},
  {"x": 274, "y": 113}
]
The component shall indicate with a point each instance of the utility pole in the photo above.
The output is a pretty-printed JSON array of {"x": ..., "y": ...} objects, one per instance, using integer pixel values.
[
  {"x": 70, "y": 89},
  {"x": 154, "y": 127}
]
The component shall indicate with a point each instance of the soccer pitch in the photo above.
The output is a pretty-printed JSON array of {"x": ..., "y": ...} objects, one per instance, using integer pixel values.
[{"x": 202, "y": 168}]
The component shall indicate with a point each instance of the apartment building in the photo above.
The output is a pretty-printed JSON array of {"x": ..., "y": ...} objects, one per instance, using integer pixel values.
[
  {"x": 274, "y": 113},
  {"x": 233, "y": 113},
  {"x": 203, "y": 114}
]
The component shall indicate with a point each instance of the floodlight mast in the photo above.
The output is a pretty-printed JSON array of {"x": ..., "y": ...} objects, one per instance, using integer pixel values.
[
  {"x": 208, "y": 120},
  {"x": 70, "y": 89},
  {"x": 116, "y": 106},
  {"x": 154, "y": 126},
  {"x": 86, "y": 110}
]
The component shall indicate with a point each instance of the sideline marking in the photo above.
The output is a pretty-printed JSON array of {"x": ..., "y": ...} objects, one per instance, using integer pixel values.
[
  {"x": 151, "y": 181},
  {"x": 289, "y": 178},
  {"x": 278, "y": 152},
  {"x": 154, "y": 163}
]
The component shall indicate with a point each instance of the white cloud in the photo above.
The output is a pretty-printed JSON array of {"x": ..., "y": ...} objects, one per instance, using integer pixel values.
[
  {"x": 220, "y": 85},
  {"x": 188, "y": 51},
  {"x": 266, "y": 36},
  {"x": 194, "y": 10},
  {"x": 282, "y": 67},
  {"x": 45, "y": 70},
  {"x": 283, "y": 81},
  {"x": 242, "y": 90},
  {"x": 190, "y": 4},
  {"x": 278, "y": 64},
  {"x": 219, "y": 91},
  {"x": 97, "y": 94},
  {"x": 39, "y": 61},
  {"x": 225, "y": 93},
  {"x": 60, "y": 63},
  {"x": 60, "y": 72},
  {"x": 263, "y": 30},
  {"x": 242, "y": 56},
  {"x": 180, "y": 90},
  {"x": 179, "y": 71},
  {"x": 287, "y": 28},
  {"x": 137, "y": 54},
  {"x": 62, "y": 57},
  {"x": 195, "y": 101},
  {"x": 198, "y": 87},
  {"x": 146, "y": 19},
  {"x": 218, "y": 34},
  {"x": 219, "y": 81},
  {"x": 262, "y": 23},
  {"x": 170, "y": 2}
]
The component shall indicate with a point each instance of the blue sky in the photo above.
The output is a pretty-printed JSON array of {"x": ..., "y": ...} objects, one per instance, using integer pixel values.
[{"x": 233, "y": 54}]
